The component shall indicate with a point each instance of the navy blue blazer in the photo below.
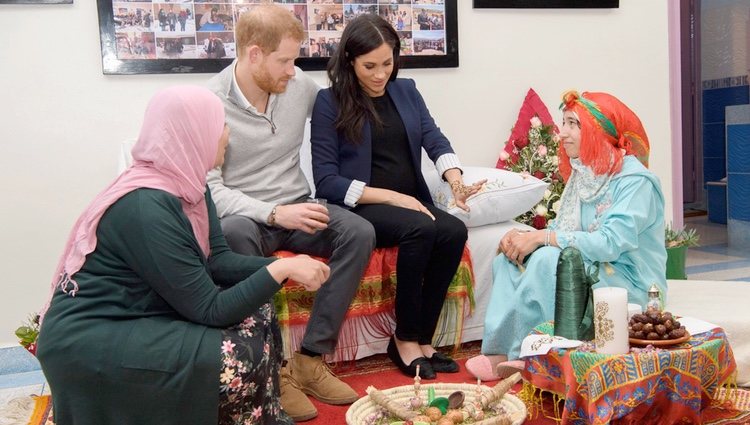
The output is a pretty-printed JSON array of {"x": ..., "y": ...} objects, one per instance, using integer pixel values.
[{"x": 336, "y": 161}]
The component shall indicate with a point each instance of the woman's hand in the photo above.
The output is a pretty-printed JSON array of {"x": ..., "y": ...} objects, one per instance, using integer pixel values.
[
  {"x": 517, "y": 244},
  {"x": 462, "y": 192},
  {"x": 376, "y": 195},
  {"x": 409, "y": 202},
  {"x": 504, "y": 245},
  {"x": 308, "y": 272}
]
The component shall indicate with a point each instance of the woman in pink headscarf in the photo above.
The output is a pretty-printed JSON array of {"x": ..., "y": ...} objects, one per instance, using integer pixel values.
[{"x": 152, "y": 319}]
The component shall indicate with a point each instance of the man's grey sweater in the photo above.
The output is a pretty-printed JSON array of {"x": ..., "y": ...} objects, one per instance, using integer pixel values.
[{"x": 261, "y": 166}]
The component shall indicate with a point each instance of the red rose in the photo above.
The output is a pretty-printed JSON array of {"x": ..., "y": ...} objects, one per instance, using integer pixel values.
[
  {"x": 32, "y": 348},
  {"x": 539, "y": 174},
  {"x": 539, "y": 222},
  {"x": 521, "y": 143},
  {"x": 502, "y": 165}
]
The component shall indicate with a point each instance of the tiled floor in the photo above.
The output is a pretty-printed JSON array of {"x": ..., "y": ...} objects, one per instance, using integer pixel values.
[
  {"x": 714, "y": 259},
  {"x": 20, "y": 374}
]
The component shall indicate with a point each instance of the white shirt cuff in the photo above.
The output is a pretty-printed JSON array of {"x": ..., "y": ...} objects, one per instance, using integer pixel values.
[
  {"x": 354, "y": 193},
  {"x": 446, "y": 162}
]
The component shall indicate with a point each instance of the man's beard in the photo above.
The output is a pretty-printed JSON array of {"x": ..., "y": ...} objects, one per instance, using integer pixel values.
[{"x": 265, "y": 82}]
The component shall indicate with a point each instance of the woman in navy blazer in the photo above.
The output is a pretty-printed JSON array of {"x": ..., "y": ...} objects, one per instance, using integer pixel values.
[{"x": 368, "y": 131}]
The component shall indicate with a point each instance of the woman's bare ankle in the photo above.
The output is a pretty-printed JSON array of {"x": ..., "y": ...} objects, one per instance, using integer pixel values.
[
  {"x": 427, "y": 350},
  {"x": 408, "y": 350}
]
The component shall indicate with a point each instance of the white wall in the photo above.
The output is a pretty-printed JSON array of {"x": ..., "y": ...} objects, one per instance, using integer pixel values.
[{"x": 62, "y": 120}]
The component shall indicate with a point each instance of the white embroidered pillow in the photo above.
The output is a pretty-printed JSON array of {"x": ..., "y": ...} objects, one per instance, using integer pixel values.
[{"x": 505, "y": 196}]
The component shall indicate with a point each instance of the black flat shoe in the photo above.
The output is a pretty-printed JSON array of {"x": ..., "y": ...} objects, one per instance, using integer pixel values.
[
  {"x": 410, "y": 370},
  {"x": 442, "y": 363}
]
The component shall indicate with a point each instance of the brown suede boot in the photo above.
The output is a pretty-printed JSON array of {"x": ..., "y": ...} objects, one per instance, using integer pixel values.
[
  {"x": 313, "y": 377},
  {"x": 294, "y": 402}
]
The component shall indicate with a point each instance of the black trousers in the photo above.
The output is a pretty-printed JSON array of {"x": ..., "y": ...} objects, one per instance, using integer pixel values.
[{"x": 428, "y": 255}]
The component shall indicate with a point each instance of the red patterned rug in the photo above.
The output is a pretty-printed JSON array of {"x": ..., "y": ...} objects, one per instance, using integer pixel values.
[
  {"x": 380, "y": 362},
  {"x": 379, "y": 372}
]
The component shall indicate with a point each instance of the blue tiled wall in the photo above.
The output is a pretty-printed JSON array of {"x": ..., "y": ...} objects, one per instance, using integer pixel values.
[
  {"x": 738, "y": 171},
  {"x": 738, "y": 175},
  {"x": 717, "y": 202},
  {"x": 716, "y": 97},
  {"x": 738, "y": 146}
]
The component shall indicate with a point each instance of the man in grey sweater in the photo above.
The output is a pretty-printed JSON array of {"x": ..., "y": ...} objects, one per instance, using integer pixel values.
[{"x": 260, "y": 192}]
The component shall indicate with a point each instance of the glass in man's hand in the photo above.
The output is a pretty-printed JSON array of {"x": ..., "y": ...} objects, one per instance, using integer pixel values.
[{"x": 319, "y": 201}]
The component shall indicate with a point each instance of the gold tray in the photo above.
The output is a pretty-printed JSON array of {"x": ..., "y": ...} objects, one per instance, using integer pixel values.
[{"x": 660, "y": 342}]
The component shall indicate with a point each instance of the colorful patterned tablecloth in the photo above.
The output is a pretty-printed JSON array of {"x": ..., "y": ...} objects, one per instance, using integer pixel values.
[
  {"x": 372, "y": 311},
  {"x": 668, "y": 386}
]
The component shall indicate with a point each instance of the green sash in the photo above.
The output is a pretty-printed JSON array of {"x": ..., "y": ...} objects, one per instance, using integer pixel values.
[{"x": 574, "y": 306}]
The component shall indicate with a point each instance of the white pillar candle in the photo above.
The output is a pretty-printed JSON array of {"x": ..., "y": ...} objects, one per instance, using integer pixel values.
[{"x": 611, "y": 320}]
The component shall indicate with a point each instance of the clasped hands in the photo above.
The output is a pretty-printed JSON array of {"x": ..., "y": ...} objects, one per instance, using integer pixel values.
[
  {"x": 303, "y": 269},
  {"x": 517, "y": 244}
]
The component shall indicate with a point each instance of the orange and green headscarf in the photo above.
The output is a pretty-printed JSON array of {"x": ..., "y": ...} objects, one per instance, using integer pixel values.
[{"x": 609, "y": 130}]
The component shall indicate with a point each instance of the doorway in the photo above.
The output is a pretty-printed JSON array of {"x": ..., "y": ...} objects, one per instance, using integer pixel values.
[
  {"x": 692, "y": 147},
  {"x": 714, "y": 60}
]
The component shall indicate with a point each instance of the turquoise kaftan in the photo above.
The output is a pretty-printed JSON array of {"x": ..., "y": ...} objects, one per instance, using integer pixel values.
[{"x": 623, "y": 230}]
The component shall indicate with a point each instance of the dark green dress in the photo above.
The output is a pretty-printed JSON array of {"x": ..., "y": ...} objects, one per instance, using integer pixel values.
[{"x": 141, "y": 342}]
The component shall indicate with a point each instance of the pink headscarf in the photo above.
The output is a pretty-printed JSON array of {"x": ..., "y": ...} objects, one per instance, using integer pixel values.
[{"x": 175, "y": 150}]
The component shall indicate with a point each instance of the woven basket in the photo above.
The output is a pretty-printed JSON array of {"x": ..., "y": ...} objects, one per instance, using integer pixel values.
[{"x": 362, "y": 408}]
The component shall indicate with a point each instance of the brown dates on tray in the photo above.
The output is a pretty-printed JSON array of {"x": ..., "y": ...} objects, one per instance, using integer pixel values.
[{"x": 655, "y": 326}]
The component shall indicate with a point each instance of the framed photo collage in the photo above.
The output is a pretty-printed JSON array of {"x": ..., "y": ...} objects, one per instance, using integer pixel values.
[{"x": 172, "y": 36}]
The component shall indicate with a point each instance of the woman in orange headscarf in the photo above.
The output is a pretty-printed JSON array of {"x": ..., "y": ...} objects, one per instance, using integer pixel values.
[{"x": 611, "y": 211}]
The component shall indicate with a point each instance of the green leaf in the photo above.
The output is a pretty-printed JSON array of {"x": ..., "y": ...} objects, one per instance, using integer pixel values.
[
  {"x": 683, "y": 237},
  {"x": 29, "y": 332}
]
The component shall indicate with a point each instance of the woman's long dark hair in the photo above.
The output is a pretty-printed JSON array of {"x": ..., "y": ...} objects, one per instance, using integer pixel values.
[{"x": 361, "y": 36}]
